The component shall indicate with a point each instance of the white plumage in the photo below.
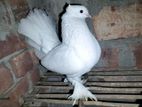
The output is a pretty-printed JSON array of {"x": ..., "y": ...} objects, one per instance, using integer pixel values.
[{"x": 78, "y": 52}]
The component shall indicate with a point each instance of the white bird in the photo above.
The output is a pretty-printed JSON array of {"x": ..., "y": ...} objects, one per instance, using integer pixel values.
[{"x": 78, "y": 52}]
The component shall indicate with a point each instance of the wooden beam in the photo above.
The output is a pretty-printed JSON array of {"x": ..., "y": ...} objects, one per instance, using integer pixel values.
[
  {"x": 101, "y": 84},
  {"x": 106, "y": 97},
  {"x": 35, "y": 102}
]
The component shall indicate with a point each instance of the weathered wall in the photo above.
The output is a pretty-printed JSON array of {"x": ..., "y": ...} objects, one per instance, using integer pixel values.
[
  {"x": 113, "y": 21},
  {"x": 18, "y": 64},
  {"x": 112, "y": 24},
  {"x": 118, "y": 22}
]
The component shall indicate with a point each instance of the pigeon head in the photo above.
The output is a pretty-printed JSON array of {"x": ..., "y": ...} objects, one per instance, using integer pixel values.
[{"x": 77, "y": 11}]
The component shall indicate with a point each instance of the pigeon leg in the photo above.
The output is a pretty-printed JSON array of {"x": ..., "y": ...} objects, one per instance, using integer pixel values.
[
  {"x": 80, "y": 91},
  {"x": 83, "y": 81}
]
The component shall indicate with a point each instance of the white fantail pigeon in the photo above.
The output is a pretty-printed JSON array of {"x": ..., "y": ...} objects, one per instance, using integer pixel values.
[{"x": 78, "y": 52}]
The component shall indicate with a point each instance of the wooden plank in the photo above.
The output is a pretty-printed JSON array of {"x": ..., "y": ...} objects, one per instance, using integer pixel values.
[
  {"x": 53, "y": 83},
  {"x": 115, "y": 73},
  {"x": 4, "y": 98},
  {"x": 96, "y": 78},
  {"x": 52, "y": 78},
  {"x": 35, "y": 102},
  {"x": 107, "y": 97},
  {"x": 53, "y": 87},
  {"x": 116, "y": 84},
  {"x": 101, "y": 84},
  {"x": 105, "y": 73},
  {"x": 92, "y": 89},
  {"x": 115, "y": 78},
  {"x": 80, "y": 103},
  {"x": 110, "y": 104},
  {"x": 114, "y": 88}
]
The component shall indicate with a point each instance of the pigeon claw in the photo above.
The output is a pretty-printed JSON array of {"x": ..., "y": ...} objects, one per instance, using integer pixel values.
[{"x": 75, "y": 98}]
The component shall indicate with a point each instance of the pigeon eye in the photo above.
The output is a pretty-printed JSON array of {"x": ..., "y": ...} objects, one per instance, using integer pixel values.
[{"x": 81, "y": 11}]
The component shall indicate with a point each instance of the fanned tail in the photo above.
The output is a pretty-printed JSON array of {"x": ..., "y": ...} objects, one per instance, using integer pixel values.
[{"x": 40, "y": 30}]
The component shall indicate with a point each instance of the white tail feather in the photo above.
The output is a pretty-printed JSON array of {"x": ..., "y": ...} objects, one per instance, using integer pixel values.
[{"x": 40, "y": 30}]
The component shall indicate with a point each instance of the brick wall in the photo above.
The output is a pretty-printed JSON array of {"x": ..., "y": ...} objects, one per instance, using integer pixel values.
[
  {"x": 121, "y": 54},
  {"x": 18, "y": 63},
  {"x": 119, "y": 30},
  {"x": 113, "y": 22}
]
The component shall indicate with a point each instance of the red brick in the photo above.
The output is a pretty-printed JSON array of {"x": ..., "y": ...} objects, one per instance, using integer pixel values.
[
  {"x": 11, "y": 44},
  {"x": 19, "y": 8},
  {"x": 16, "y": 94},
  {"x": 138, "y": 56},
  {"x": 20, "y": 90},
  {"x": 110, "y": 56},
  {"x": 34, "y": 58},
  {"x": 9, "y": 103},
  {"x": 5, "y": 79},
  {"x": 35, "y": 75},
  {"x": 117, "y": 22},
  {"x": 17, "y": 41},
  {"x": 22, "y": 63},
  {"x": 17, "y": 3}
]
